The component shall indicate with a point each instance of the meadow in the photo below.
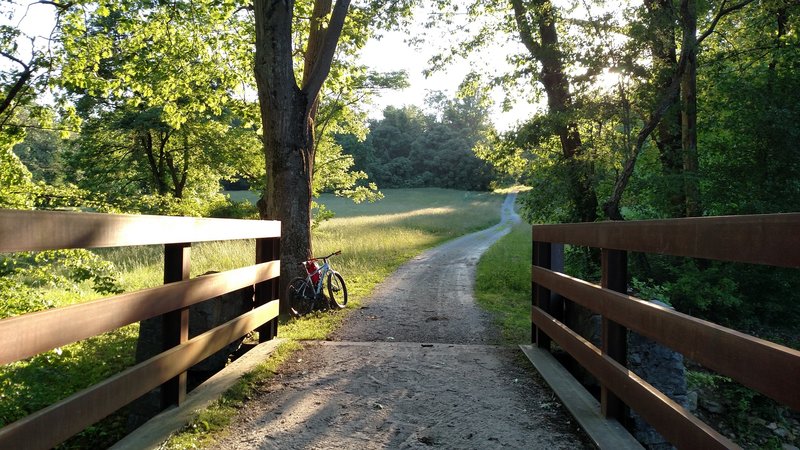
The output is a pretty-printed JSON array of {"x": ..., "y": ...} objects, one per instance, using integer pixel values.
[{"x": 375, "y": 238}]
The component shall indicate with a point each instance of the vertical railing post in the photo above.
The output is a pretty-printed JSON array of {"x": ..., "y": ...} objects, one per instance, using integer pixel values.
[
  {"x": 267, "y": 249},
  {"x": 557, "y": 265},
  {"x": 614, "y": 336},
  {"x": 540, "y": 296},
  {"x": 175, "y": 323}
]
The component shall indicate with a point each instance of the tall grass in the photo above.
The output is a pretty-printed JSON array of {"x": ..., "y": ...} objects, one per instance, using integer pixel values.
[
  {"x": 503, "y": 284},
  {"x": 375, "y": 238}
]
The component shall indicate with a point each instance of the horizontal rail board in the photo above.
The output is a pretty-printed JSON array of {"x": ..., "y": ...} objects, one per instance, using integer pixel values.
[
  {"x": 52, "y": 230},
  {"x": 769, "y": 368},
  {"x": 772, "y": 239},
  {"x": 30, "y": 334},
  {"x": 670, "y": 419},
  {"x": 52, "y": 425}
]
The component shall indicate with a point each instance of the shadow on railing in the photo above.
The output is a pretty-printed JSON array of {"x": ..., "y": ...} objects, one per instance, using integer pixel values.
[
  {"x": 766, "y": 367},
  {"x": 30, "y": 334}
]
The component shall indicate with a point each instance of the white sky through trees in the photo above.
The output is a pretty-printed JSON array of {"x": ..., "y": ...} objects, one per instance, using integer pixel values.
[{"x": 393, "y": 52}]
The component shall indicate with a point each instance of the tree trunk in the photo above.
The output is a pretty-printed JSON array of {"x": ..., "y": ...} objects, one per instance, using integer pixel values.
[
  {"x": 668, "y": 134},
  {"x": 689, "y": 108},
  {"x": 559, "y": 101},
  {"x": 287, "y": 194},
  {"x": 287, "y": 116}
]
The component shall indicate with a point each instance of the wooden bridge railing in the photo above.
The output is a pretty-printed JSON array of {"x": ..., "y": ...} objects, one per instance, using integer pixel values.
[
  {"x": 27, "y": 335},
  {"x": 766, "y": 367}
]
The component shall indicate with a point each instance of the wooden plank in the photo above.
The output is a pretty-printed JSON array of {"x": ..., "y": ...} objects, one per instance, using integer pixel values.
[
  {"x": 541, "y": 296},
  {"x": 54, "y": 424},
  {"x": 670, "y": 419},
  {"x": 268, "y": 250},
  {"x": 605, "y": 433},
  {"x": 772, "y": 239},
  {"x": 175, "y": 324},
  {"x": 157, "y": 430},
  {"x": 30, "y": 334},
  {"x": 49, "y": 230},
  {"x": 614, "y": 336},
  {"x": 769, "y": 368}
]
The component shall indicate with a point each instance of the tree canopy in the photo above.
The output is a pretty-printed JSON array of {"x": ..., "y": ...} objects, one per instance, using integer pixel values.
[{"x": 411, "y": 148}]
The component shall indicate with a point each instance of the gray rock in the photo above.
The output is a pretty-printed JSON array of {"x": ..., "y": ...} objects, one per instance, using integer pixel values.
[
  {"x": 691, "y": 401},
  {"x": 789, "y": 447},
  {"x": 664, "y": 369}
]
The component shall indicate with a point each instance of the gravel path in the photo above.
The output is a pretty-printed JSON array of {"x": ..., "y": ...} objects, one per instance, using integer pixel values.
[
  {"x": 414, "y": 368},
  {"x": 430, "y": 298}
]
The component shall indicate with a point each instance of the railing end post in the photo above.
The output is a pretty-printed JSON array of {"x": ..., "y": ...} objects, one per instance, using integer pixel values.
[{"x": 267, "y": 249}]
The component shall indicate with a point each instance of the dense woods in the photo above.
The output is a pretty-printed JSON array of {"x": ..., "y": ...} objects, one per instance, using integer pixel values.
[{"x": 411, "y": 148}]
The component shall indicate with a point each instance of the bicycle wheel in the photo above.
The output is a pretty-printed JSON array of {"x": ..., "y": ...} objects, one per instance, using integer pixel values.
[
  {"x": 300, "y": 296},
  {"x": 337, "y": 291}
]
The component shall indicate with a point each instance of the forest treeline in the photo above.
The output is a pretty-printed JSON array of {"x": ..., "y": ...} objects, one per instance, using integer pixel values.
[{"x": 411, "y": 148}]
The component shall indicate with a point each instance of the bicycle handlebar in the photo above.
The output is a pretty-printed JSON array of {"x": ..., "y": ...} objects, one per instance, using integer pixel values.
[{"x": 337, "y": 252}]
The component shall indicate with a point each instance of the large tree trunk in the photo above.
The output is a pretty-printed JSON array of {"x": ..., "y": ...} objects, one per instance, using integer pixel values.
[
  {"x": 559, "y": 101},
  {"x": 662, "y": 24},
  {"x": 287, "y": 116},
  {"x": 284, "y": 116},
  {"x": 689, "y": 108}
]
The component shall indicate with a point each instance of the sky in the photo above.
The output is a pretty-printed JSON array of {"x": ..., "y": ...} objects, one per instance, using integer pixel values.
[{"x": 391, "y": 52}]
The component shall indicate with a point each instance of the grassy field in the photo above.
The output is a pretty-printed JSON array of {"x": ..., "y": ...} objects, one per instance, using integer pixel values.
[
  {"x": 375, "y": 238},
  {"x": 503, "y": 284}
]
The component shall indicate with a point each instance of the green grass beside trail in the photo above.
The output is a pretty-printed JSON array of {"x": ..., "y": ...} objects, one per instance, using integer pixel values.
[
  {"x": 375, "y": 238},
  {"x": 503, "y": 284}
]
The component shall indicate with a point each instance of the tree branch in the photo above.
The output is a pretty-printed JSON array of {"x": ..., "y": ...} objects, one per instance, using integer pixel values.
[
  {"x": 18, "y": 85},
  {"x": 525, "y": 30},
  {"x": 668, "y": 98},
  {"x": 61, "y": 6},
  {"x": 723, "y": 11},
  {"x": 329, "y": 38}
]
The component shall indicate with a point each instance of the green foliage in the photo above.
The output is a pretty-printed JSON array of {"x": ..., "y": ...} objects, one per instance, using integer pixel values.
[
  {"x": 15, "y": 181},
  {"x": 42, "y": 152},
  {"x": 741, "y": 405},
  {"x": 749, "y": 114},
  {"x": 40, "y": 381},
  {"x": 27, "y": 275},
  {"x": 409, "y": 148},
  {"x": 153, "y": 132},
  {"x": 648, "y": 290}
]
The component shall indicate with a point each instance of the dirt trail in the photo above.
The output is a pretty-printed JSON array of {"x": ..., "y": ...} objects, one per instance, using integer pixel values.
[
  {"x": 430, "y": 298},
  {"x": 414, "y": 368}
]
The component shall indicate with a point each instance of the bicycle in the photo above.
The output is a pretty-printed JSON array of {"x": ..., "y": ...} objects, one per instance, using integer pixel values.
[{"x": 305, "y": 293}]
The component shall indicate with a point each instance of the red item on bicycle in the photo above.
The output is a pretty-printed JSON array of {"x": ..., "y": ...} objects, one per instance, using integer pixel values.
[{"x": 311, "y": 267}]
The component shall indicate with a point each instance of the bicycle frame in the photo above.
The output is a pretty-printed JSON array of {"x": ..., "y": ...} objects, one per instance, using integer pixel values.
[{"x": 321, "y": 271}]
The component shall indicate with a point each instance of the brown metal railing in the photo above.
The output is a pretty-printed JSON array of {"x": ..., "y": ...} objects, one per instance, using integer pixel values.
[
  {"x": 766, "y": 367},
  {"x": 30, "y": 334}
]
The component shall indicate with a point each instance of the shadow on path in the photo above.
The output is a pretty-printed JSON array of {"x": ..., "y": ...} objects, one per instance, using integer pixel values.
[{"x": 413, "y": 368}]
